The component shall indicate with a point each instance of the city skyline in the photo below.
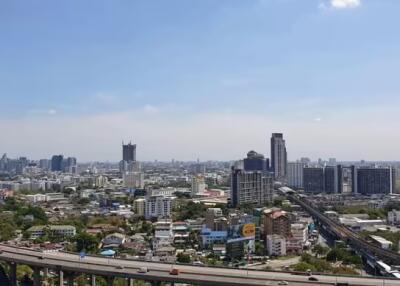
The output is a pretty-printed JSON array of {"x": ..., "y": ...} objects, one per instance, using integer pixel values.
[{"x": 200, "y": 79}]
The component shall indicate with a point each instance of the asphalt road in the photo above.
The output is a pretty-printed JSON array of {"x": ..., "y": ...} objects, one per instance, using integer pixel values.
[{"x": 160, "y": 271}]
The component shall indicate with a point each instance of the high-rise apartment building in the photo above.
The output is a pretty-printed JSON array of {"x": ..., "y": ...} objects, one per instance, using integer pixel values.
[
  {"x": 370, "y": 181},
  {"x": 198, "y": 185},
  {"x": 295, "y": 174},
  {"x": 278, "y": 156},
  {"x": 333, "y": 179},
  {"x": 313, "y": 180},
  {"x": 253, "y": 187}
]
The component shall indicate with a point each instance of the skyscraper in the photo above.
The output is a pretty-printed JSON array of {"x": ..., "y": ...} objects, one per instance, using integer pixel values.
[
  {"x": 129, "y": 152},
  {"x": 278, "y": 156},
  {"x": 254, "y": 162},
  {"x": 57, "y": 163},
  {"x": 295, "y": 174}
]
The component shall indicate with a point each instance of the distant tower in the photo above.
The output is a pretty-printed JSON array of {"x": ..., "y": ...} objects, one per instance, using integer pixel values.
[
  {"x": 129, "y": 152},
  {"x": 278, "y": 156}
]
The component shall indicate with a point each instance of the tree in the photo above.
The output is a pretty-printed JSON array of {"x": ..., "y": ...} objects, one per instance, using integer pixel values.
[
  {"x": 183, "y": 258},
  {"x": 85, "y": 241},
  {"x": 303, "y": 267},
  {"x": 259, "y": 248},
  {"x": 320, "y": 250}
]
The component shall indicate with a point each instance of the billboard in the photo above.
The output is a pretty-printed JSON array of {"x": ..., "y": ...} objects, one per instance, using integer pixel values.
[{"x": 241, "y": 232}]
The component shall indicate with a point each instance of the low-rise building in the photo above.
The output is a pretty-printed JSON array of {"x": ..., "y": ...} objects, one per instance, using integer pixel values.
[
  {"x": 393, "y": 217},
  {"x": 276, "y": 245},
  {"x": 52, "y": 230}
]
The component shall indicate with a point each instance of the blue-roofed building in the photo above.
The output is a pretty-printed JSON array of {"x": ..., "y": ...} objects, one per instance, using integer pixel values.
[{"x": 209, "y": 237}]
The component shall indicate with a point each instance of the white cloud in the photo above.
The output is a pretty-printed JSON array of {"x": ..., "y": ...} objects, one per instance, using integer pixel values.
[
  {"x": 150, "y": 109},
  {"x": 52, "y": 111},
  {"x": 41, "y": 112},
  {"x": 340, "y": 4}
]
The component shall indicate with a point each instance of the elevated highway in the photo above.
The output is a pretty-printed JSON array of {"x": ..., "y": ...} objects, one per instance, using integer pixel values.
[
  {"x": 346, "y": 234},
  {"x": 69, "y": 265}
]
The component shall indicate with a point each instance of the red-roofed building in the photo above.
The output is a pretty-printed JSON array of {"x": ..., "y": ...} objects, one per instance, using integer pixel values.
[{"x": 276, "y": 221}]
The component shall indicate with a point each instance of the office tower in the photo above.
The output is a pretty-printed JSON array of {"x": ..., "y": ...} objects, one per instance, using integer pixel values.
[
  {"x": 44, "y": 164},
  {"x": 333, "y": 179},
  {"x": 70, "y": 165},
  {"x": 57, "y": 163},
  {"x": 254, "y": 162},
  {"x": 295, "y": 174},
  {"x": 253, "y": 187},
  {"x": 198, "y": 185},
  {"x": 370, "y": 181},
  {"x": 129, "y": 152},
  {"x": 313, "y": 180},
  {"x": 278, "y": 156}
]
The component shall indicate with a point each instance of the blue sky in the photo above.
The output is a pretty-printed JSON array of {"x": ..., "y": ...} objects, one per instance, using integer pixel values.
[{"x": 206, "y": 79}]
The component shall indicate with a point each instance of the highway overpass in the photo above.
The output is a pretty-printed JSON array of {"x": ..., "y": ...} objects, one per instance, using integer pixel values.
[{"x": 68, "y": 266}]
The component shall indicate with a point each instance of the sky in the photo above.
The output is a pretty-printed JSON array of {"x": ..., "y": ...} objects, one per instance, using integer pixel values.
[{"x": 207, "y": 79}]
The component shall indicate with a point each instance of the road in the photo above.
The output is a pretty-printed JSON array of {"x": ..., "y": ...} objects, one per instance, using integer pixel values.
[{"x": 160, "y": 271}]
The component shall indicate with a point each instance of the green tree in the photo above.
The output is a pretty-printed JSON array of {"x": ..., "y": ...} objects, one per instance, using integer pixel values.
[
  {"x": 183, "y": 258},
  {"x": 320, "y": 250},
  {"x": 87, "y": 242},
  {"x": 303, "y": 267}
]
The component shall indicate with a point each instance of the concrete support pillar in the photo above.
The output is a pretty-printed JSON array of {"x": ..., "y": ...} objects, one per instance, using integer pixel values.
[
  {"x": 110, "y": 280},
  {"x": 36, "y": 277},
  {"x": 45, "y": 273},
  {"x": 130, "y": 282},
  {"x": 61, "y": 278},
  {"x": 93, "y": 280},
  {"x": 70, "y": 279},
  {"x": 13, "y": 273},
  {"x": 155, "y": 283}
]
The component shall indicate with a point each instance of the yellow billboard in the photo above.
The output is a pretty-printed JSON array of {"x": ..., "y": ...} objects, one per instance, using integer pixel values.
[{"x": 249, "y": 230}]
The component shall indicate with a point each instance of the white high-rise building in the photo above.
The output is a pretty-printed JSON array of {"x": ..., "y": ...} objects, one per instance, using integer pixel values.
[
  {"x": 295, "y": 174},
  {"x": 134, "y": 180},
  {"x": 159, "y": 206},
  {"x": 198, "y": 185}
]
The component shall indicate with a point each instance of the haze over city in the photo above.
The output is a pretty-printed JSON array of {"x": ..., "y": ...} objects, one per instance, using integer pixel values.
[{"x": 204, "y": 79}]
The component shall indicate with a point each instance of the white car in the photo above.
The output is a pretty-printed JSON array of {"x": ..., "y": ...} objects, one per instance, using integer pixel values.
[
  {"x": 143, "y": 270},
  {"x": 283, "y": 283}
]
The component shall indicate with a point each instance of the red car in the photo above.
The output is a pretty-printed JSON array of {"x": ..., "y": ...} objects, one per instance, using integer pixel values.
[{"x": 174, "y": 271}]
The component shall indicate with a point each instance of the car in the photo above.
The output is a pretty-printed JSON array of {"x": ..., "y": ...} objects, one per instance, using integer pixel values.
[
  {"x": 174, "y": 271},
  {"x": 312, "y": 278},
  {"x": 120, "y": 267},
  {"x": 283, "y": 283},
  {"x": 41, "y": 257},
  {"x": 143, "y": 270}
]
